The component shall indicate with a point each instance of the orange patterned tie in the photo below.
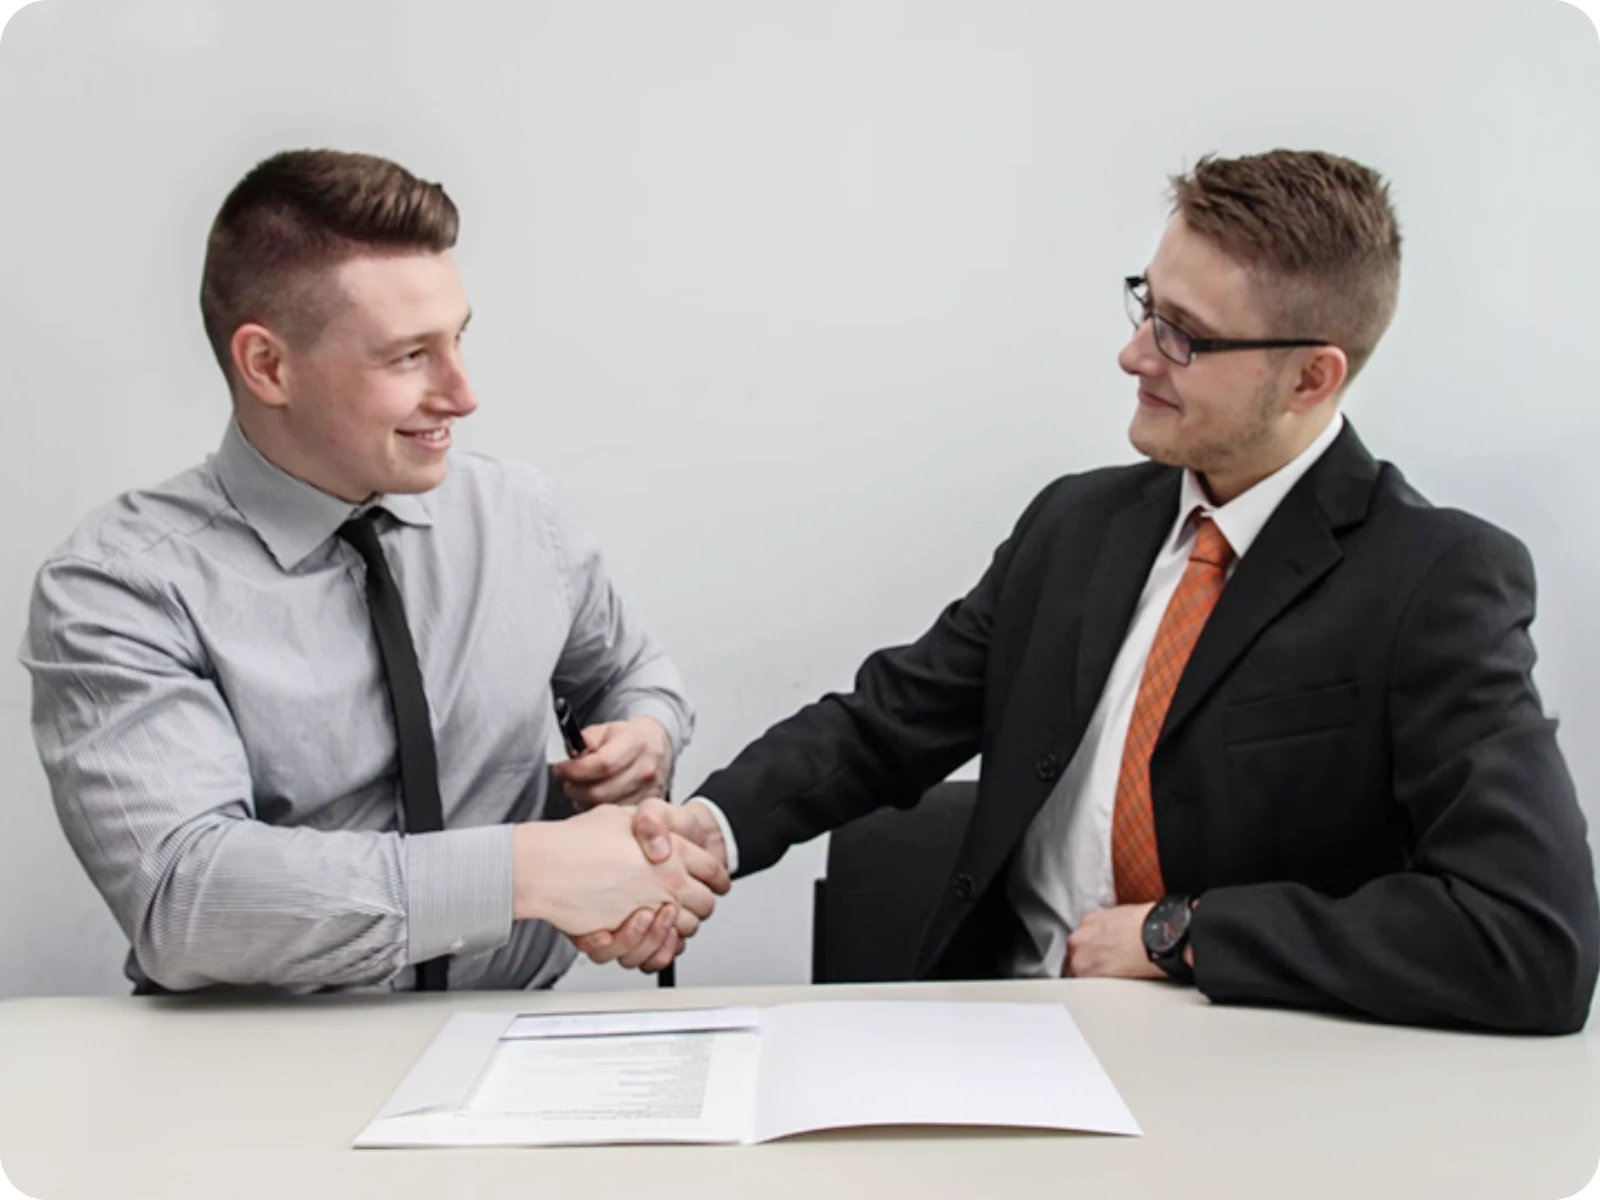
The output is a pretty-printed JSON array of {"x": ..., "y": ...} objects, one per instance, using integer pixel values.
[{"x": 1135, "y": 865}]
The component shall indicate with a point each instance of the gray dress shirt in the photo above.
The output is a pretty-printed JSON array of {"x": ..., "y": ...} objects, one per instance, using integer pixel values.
[{"x": 209, "y": 707}]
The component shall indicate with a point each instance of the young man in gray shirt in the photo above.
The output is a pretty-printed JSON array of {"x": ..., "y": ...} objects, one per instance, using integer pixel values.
[{"x": 293, "y": 703}]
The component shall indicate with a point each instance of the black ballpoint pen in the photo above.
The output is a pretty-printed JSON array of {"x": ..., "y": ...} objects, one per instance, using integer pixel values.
[{"x": 570, "y": 733}]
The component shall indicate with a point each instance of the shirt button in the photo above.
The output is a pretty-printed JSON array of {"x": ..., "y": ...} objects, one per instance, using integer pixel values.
[
  {"x": 456, "y": 945},
  {"x": 965, "y": 887},
  {"x": 1048, "y": 767}
]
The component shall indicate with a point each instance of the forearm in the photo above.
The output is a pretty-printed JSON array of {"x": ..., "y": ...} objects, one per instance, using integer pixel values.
[
  {"x": 809, "y": 774},
  {"x": 1410, "y": 947},
  {"x": 153, "y": 783},
  {"x": 232, "y": 901},
  {"x": 844, "y": 756}
]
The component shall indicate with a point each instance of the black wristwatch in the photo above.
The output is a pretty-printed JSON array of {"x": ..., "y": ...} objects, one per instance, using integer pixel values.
[{"x": 1166, "y": 935}]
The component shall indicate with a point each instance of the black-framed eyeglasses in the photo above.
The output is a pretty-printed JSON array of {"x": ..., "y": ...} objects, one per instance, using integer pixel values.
[{"x": 1178, "y": 344}]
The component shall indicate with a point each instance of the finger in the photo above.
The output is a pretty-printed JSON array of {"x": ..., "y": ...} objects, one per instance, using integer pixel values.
[
  {"x": 605, "y": 758},
  {"x": 634, "y": 782},
  {"x": 601, "y": 732},
  {"x": 652, "y": 826},
  {"x": 704, "y": 866},
  {"x": 592, "y": 767},
  {"x": 631, "y": 788},
  {"x": 634, "y": 932},
  {"x": 600, "y": 946},
  {"x": 596, "y": 946},
  {"x": 696, "y": 899},
  {"x": 661, "y": 932},
  {"x": 688, "y": 923},
  {"x": 666, "y": 957}
]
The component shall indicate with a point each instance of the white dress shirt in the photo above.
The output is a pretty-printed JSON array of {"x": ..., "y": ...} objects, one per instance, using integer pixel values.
[{"x": 1063, "y": 870}]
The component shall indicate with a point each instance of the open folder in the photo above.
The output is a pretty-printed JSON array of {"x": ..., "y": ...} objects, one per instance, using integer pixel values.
[{"x": 744, "y": 1075}]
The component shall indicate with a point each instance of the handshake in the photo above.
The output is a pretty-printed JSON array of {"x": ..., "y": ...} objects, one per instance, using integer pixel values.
[
  {"x": 626, "y": 884},
  {"x": 631, "y": 877}
]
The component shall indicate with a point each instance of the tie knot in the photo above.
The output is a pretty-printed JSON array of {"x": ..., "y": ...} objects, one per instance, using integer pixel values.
[
  {"x": 362, "y": 533},
  {"x": 1210, "y": 546}
]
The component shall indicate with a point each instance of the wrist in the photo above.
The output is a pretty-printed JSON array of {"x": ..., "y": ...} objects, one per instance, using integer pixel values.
[
  {"x": 715, "y": 822},
  {"x": 530, "y": 846},
  {"x": 660, "y": 743},
  {"x": 1165, "y": 932}
]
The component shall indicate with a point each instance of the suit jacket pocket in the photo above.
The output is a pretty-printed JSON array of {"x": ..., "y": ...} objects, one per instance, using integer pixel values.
[{"x": 1290, "y": 714}]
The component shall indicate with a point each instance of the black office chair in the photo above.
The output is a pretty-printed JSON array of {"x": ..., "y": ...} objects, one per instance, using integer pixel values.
[{"x": 884, "y": 875}]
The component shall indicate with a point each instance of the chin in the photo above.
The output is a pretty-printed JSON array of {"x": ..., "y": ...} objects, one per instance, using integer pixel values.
[
  {"x": 1152, "y": 446},
  {"x": 411, "y": 483},
  {"x": 1161, "y": 443}
]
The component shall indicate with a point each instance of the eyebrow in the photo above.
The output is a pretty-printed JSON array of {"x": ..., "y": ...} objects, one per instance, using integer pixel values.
[
  {"x": 413, "y": 339},
  {"x": 1177, "y": 313}
]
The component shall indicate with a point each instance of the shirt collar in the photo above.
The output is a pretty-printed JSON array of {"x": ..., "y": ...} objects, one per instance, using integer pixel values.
[
  {"x": 289, "y": 515},
  {"x": 1242, "y": 519}
]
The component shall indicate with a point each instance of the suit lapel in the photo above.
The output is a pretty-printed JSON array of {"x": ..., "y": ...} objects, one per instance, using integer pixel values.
[
  {"x": 1295, "y": 549},
  {"x": 1122, "y": 567},
  {"x": 1051, "y": 701}
]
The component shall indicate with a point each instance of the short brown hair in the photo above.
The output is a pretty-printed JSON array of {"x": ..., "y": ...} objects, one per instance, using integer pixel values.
[
  {"x": 297, "y": 214},
  {"x": 1317, "y": 233}
]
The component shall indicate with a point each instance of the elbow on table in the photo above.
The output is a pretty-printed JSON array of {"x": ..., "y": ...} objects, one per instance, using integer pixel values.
[
  {"x": 1554, "y": 994},
  {"x": 173, "y": 963},
  {"x": 1568, "y": 1010}
]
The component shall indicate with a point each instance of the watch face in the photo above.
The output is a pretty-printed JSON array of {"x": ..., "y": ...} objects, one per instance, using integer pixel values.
[{"x": 1165, "y": 926}]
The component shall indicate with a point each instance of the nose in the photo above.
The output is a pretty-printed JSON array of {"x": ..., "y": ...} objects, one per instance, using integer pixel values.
[
  {"x": 452, "y": 391},
  {"x": 1140, "y": 356}
]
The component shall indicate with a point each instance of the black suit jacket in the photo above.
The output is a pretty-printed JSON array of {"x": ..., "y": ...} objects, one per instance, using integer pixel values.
[{"x": 1356, "y": 771}]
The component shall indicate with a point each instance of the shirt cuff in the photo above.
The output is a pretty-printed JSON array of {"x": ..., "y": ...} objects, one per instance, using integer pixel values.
[
  {"x": 727, "y": 831},
  {"x": 458, "y": 891}
]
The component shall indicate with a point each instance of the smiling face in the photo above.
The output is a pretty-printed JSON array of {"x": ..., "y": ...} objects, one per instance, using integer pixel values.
[
  {"x": 1232, "y": 417},
  {"x": 365, "y": 406}
]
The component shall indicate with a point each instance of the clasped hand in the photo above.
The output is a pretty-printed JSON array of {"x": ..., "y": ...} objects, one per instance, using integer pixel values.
[
  {"x": 626, "y": 762},
  {"x": 588, "y": 875},
  {"x": 650, "y": 937},
  {"x": 626, "y": 769}
]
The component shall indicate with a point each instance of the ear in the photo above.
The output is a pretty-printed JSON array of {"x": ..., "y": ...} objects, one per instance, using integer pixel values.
[
  {"x": 1322, "y": 374},
  {"x": 260, "y": 361}
]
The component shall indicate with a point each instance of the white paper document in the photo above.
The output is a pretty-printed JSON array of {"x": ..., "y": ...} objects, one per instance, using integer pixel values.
[{"x": 744, "y": 1075}]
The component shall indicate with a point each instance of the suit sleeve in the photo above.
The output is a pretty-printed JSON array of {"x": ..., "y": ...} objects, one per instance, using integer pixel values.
[
  {"x": 1494, "y": 924},
  {"x": 915, "y": 714}
]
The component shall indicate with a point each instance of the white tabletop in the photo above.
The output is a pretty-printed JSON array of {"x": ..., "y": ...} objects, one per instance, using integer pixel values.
[{"x": 103, "y": 1097}]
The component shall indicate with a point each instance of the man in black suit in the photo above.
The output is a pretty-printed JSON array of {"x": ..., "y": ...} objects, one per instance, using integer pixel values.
[{"x": 1253, "y": 714}]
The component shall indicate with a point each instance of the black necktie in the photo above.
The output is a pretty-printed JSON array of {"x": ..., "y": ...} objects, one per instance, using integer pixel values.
[{"x": 419, "y": 770}]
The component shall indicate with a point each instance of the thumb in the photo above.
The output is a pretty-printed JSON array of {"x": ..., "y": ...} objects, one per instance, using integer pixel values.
[
  {"x": 652, "y": 827},
  {"x": 596, "y": 736}
]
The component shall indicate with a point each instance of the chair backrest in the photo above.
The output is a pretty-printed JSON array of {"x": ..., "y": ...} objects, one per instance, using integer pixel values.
[{"x": 885, "y": 874}]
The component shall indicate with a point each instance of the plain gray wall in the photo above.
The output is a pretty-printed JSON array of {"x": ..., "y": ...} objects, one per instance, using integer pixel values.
[{"x": 801, "y": 301}]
